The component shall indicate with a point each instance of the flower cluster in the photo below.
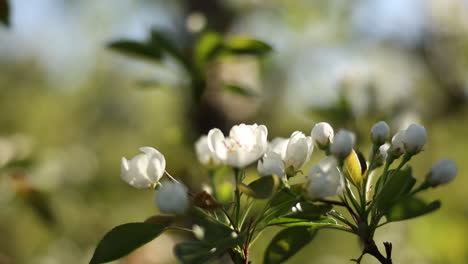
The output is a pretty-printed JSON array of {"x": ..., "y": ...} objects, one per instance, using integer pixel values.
[{"x": 369, "y": 190}]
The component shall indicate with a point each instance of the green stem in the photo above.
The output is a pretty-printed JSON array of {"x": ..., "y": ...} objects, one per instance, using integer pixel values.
[{"x": 238, "y": 175}]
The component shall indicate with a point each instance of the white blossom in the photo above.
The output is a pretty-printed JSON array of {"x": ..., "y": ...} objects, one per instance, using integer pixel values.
[
  {"x": 298, "y": 151},
  {"x": 324, "y": 179},
  {"x": 343, "y": 144},
  {"x": 145, "y": 169},
  {"x": 245, "y": 144},
  {"x": 271, "y": 164},
  {"x": 286, "y": 153},
  {"x": 204, "y": 155},
  {"x": 442, "y": 172},
  {"x": 414, "y": 139},
  {"x": 322, "y": 135},
  {"x": 380, "y": 133},
  {"x": 172, "y": 198}
]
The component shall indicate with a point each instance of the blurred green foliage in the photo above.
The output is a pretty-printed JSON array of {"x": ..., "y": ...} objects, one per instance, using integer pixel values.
[{"x": 79, "y": 128}]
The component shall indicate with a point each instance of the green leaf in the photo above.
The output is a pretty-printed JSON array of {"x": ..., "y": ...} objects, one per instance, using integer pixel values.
[
  {"x": 291, "y": 221},
  {"x": 135, "y": 48},
  {"x": 194, "y": 252},
  {"x": 123, "y": 239},
  {"x": 207, "y": 48},
  {"x": 310, "y": 211},
  {"x": 214, "y": 230},
  {"x": 410, "y": 207},
  {"x": 151, "y": 84},
  {"x": 202, "y": 251},
  {"x": 162, "y": 41},
  {"x": 5, "y": 12},
  {"x": 239, "y": 90},
  {"x": 279, "y": 210},
  {"x": 284, "y": 195},
  {"x": 244, "y": 45},
  {"x": 287, "y": 243},
  {"x": 261, "y": 188},
  {"x": 398, "y": 185}
]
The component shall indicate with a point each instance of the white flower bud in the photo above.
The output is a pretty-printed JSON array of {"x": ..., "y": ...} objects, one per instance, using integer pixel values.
[
  {"x": 380, "y": 133},
  {"x": 397, "y": 149},
  {"x": 172, "y": 198},
  {"x": 324, "y": 179},
  {"x": 442, "y": 172},
  {"x": 271, "y": 164},
  {"x": 343, "y": 144},
  {"x": 198, "y": 232},
  {"x": 414, "y": 139},
  {"x": 144, "y": 170},
  {"x": 204, "y": 155},
  {"x": 245, "y": 144},
  {"x": 382, "y": 154},
  {"x": 298, "y": 150},
  {"x": 322, "y": 135}
]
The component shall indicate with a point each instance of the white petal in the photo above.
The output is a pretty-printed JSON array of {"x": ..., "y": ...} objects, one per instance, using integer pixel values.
[{"x": 217, "y": 144}]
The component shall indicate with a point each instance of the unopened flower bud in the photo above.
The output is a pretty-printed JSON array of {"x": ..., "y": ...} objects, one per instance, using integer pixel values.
[
  {"x": 380, "y": 133},
  {"x": 343, "y": 144},
  {"x": 324, "y": 179},
  {"x": 322, "y": 135},
  {"x": 298, "y": 150},
  {"x": 442, "y": 172},
  {"x": 396, "y": 148},
  {"x": 414, "y": 139},
  {"x": 172, "y": 198},
  {"x": 382, "y": 154}
]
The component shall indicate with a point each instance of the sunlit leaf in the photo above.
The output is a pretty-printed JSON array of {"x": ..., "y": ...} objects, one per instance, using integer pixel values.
[
  {"x": 352, "y": 169},
  {"x": 287, "y": 243},
  {"x": 291, "y": 221},
  {"x": 208, "y": 46},
  {"x": 123, "y": 239},
  {"x": 410, "y": 207},
  {"x": 245, "y": 45}
]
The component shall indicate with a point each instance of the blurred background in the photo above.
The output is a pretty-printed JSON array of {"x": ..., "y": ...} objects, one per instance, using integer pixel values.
[{"x": 72, "y": 104}]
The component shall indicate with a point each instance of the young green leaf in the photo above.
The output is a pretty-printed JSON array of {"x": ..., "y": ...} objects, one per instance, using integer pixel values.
[
  {"x": 287, "y": 243},
  {"x": 398, "y": 185},
  {"x": 410, "y": 207},
  {"x": 244, "y": 45},
  {"x": 352, "y": 169},
  {"x": 207, "y": 48},
  {"x": 291, "y": 221},
  {"x": 123, "y": 239}
]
